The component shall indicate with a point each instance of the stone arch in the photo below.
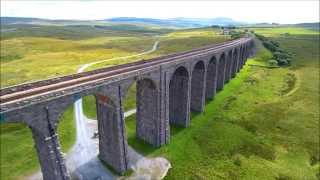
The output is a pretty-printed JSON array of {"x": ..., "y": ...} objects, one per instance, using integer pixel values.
[
  {"x": 229, "y": 64},
  {"x": 211, "y": 78},
  {"x": 179, "y": 97},
  {"x": 221, "y": 71},
  {"x": 236, "y": 62},
  {"x": 72, "y": 100},
  {"x": 127, "y": 84},
  {"x": 198, "y": 87}
]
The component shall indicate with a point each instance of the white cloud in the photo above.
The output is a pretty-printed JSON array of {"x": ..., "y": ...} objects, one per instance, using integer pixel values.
[{"x": 248, "y": 11}]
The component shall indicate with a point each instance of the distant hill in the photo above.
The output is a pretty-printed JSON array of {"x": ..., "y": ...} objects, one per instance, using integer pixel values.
[
  {"x": 160, "y": 23},
  {"x": 141, "y": 23},
  {"x": 177, "y": 22},
  {"x": 72, "y": 29},
  {"x": 38, "y": 21},
  {"x": 17, "y": 20},
  {"x": 315, "y": 25}
]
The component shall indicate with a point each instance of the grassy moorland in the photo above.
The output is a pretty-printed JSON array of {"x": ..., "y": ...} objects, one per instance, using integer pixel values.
[
  {"x": 26, "y": 56},
  {"x": 56, "y": 57},
  {"x": 298, "y": 32}
]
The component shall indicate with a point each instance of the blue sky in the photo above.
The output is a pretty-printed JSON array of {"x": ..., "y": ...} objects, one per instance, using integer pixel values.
[{"x": 247, "y": 11}]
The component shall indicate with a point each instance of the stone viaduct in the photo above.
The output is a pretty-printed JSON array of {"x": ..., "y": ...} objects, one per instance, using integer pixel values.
[{"x": 168, "y": 88}]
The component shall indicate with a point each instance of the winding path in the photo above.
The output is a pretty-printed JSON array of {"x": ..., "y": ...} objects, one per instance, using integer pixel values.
[{"x": 154, "y": 48}]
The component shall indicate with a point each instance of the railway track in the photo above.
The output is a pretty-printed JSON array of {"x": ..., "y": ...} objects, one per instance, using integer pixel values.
[{"x": 29, "y": 90}]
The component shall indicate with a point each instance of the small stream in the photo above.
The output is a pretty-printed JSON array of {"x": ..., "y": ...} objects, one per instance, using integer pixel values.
[{"x": 84, "y": 147}]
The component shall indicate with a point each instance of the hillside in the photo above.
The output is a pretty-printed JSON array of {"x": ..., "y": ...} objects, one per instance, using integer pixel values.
[
  {"x": 178, "y": 22},
  {"x": 309, "y": 25},
  {"x": 159, "y": 23},
  {"x": 77, "y": 31}
]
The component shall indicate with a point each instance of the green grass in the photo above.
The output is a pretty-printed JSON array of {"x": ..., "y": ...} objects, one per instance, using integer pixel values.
[
  {"x": 78, "y": 32},
  {"x": 89, "y": 106},
  {"x": 285, "y": 31},
  {"x": 17, "y": 148},
  {"x": 54, "y": 57}
]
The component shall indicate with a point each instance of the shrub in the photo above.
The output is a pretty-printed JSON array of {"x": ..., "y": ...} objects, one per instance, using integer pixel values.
[
  {"x": 236, "y": 34},
  {"x": 288, "y": 60},
  {"x": 5, "y": 57},
  {"x": 281, "y": 56},
  {"x": 270, "y": 46},
  {"x": 237, "y": 161},
  {"x": 283, "y": 62},
  {"x": 262, "y": 38},
  {"x": 274, "y": 43},
  {"x": 283, "y": 177},
  {"x": 273, "y": 62}
]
